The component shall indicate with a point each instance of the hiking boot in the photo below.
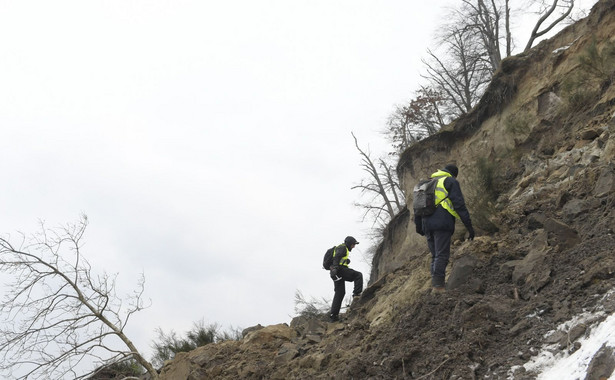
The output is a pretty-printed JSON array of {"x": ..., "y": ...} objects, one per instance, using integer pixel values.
[
  {"x": 334, "y": 318},
  {"x": 438, "y": 290}
]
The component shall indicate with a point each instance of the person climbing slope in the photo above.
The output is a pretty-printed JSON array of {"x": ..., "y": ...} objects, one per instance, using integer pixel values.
[
  {"x": 340, "y": 273},
  {"x": 439, "y": 226}
]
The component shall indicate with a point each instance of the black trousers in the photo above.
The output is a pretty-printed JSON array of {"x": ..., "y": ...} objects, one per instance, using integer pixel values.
[
  {"x": 439, "y": 243},
  {"x": 349, "y": 275}
]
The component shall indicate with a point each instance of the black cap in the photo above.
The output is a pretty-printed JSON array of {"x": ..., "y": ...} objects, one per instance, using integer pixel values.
[
  {"x": 350, "y": 241},
  {"x": 452, "y": 168}
]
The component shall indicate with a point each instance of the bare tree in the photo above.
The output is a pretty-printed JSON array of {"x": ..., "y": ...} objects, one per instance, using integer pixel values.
[
  {"x": 507, "y": 33},
  {"x": 484, "y": 18},
  {"x": 471, "y": 39},
  {"x": 490, "y": 20},
  {"x": 560, "y": 9},
  {"x": 57, "y": 315},
  {"x": 420, "y": 118},
  {"x": 462, "y": 75},
  {"x": 386, "y": 198}
]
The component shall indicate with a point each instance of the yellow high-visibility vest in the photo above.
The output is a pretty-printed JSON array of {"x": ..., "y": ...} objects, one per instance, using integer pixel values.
[
  {"x": 344, "y": 260},
  {"x": 441, "y": 195}
]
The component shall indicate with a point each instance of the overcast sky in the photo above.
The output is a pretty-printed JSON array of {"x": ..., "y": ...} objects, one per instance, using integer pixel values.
[{"x": 207, "y": 141}]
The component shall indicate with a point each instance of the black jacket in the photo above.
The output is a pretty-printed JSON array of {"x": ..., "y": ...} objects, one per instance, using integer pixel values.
[
  {"x": 339, "y": 254},
  {"x": 442, "y": 220}
]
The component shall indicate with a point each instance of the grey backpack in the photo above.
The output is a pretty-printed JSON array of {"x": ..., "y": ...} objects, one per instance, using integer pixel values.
[{"x": 424, "y": 202}]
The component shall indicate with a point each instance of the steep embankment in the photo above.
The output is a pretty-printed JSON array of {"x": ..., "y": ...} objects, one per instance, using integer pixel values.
[{"x": 536, "y": 165}]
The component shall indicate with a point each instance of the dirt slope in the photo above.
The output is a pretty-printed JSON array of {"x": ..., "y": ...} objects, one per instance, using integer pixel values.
[{"x": 545, "y": 134}]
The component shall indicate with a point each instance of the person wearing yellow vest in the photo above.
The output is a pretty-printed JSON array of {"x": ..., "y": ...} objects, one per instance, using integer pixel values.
[
  {"x": 340, "y": 273},
  {"x": 439, "y": 226}
]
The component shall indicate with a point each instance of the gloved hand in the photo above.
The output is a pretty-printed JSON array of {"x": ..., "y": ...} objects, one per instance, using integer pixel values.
[
  {"x": 333, "y": 274},
  {"x": 471, "y": 231},
  {"x": 419, "y": 230}
]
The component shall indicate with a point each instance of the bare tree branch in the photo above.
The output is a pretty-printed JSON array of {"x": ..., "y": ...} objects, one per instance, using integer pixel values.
[
  {"x": 381, "y": 185},
  {"x": 461, "y": 79},
  {"x": 423, "y": 116},
  {"x": 537, "y": 33},
  {"x": 57, "y": 314},
  {"x": 507, "y": 28}
]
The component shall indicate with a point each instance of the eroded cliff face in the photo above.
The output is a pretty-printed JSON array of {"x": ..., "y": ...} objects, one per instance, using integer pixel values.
[
  {"x": 531, "y": 117},
  {"x": 536, "y": 167}
]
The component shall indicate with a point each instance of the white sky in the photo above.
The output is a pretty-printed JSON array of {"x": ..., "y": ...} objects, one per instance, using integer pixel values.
[{"x": 207, "y": 141}]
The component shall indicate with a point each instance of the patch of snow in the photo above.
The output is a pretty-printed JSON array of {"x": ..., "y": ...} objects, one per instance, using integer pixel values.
[
  {"x": 511, "y": 372},
  {"x": 563, "y": 48},
  {"x": 534, "y": 315},
  {"x": 555, "y": 364},
  {"x": 575, "y": 366},
  {"x": 542, "y": 360},
  {"x": 576, "y": 320}
]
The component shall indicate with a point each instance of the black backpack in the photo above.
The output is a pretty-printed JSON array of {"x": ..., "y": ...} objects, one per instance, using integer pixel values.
[
  {"x": 327, "y": 261},
  {"x": 424, "y": 202}
]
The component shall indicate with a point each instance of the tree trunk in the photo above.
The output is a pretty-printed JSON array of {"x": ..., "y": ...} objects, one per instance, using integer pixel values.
[
  {"x": 536, "y": 32},
  {"x": 508, "y": 34}
]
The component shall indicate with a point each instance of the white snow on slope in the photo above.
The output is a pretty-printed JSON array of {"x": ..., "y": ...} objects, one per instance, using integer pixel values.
[{"x": 554, "y": 364}]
